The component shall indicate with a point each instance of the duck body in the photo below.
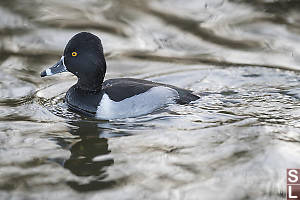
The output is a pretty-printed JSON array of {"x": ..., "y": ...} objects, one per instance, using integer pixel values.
[
  {"x": 126, "y": 97},
  {"x": 113, "y": 98}
]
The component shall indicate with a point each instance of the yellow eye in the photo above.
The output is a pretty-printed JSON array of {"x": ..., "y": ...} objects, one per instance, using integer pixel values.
[{"x": 74, "y": 53}]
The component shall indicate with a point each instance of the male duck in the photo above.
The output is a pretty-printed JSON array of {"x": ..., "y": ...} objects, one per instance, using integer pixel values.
[{"x": 114, "y": 98}]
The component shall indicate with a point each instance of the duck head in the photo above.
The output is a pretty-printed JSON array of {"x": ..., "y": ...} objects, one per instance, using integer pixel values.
[{"x": 83, "y": 56}]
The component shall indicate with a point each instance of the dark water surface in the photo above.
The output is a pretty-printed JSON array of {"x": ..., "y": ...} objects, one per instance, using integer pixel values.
[{"x": 242, "y": 57}]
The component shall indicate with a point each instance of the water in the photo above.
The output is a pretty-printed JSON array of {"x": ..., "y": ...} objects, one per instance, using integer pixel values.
[{"x": 236, "y": 142}]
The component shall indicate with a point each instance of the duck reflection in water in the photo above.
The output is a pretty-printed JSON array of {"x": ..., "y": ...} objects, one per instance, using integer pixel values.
[{"x": 82, "y": 161}]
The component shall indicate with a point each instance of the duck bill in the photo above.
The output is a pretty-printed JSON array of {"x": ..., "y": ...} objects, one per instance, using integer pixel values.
[{"x": 55, "y": 69}]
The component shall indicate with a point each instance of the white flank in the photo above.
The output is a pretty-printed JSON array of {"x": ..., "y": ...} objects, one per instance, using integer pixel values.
[{"x": 141, "y": 104}]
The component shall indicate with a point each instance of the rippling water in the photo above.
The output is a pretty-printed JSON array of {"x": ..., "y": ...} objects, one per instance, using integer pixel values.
[{"x": 236, "y": 142}]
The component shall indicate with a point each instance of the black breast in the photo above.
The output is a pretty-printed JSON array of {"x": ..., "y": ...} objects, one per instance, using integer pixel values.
[{"x": 82, "y": 100}]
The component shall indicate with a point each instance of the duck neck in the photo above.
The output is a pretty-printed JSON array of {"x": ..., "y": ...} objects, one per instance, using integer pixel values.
[{"x": 88, "y": 85}]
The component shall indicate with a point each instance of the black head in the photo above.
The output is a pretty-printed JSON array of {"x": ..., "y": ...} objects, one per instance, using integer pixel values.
[{"x": 83, "y": 56}]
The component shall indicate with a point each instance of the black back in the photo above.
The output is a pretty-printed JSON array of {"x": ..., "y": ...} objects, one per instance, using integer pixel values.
[{"x": 122, "y": 88}]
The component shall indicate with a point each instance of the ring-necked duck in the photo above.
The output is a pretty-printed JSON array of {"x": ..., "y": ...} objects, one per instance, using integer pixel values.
[{"x": 114, "y": 98}]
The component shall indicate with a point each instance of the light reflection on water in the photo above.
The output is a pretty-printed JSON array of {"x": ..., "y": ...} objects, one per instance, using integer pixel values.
[{"x": 241, "y": 57}]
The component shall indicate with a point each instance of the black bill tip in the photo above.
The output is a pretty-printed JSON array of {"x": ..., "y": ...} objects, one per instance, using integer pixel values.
[{"x": 43, "y": 73}]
